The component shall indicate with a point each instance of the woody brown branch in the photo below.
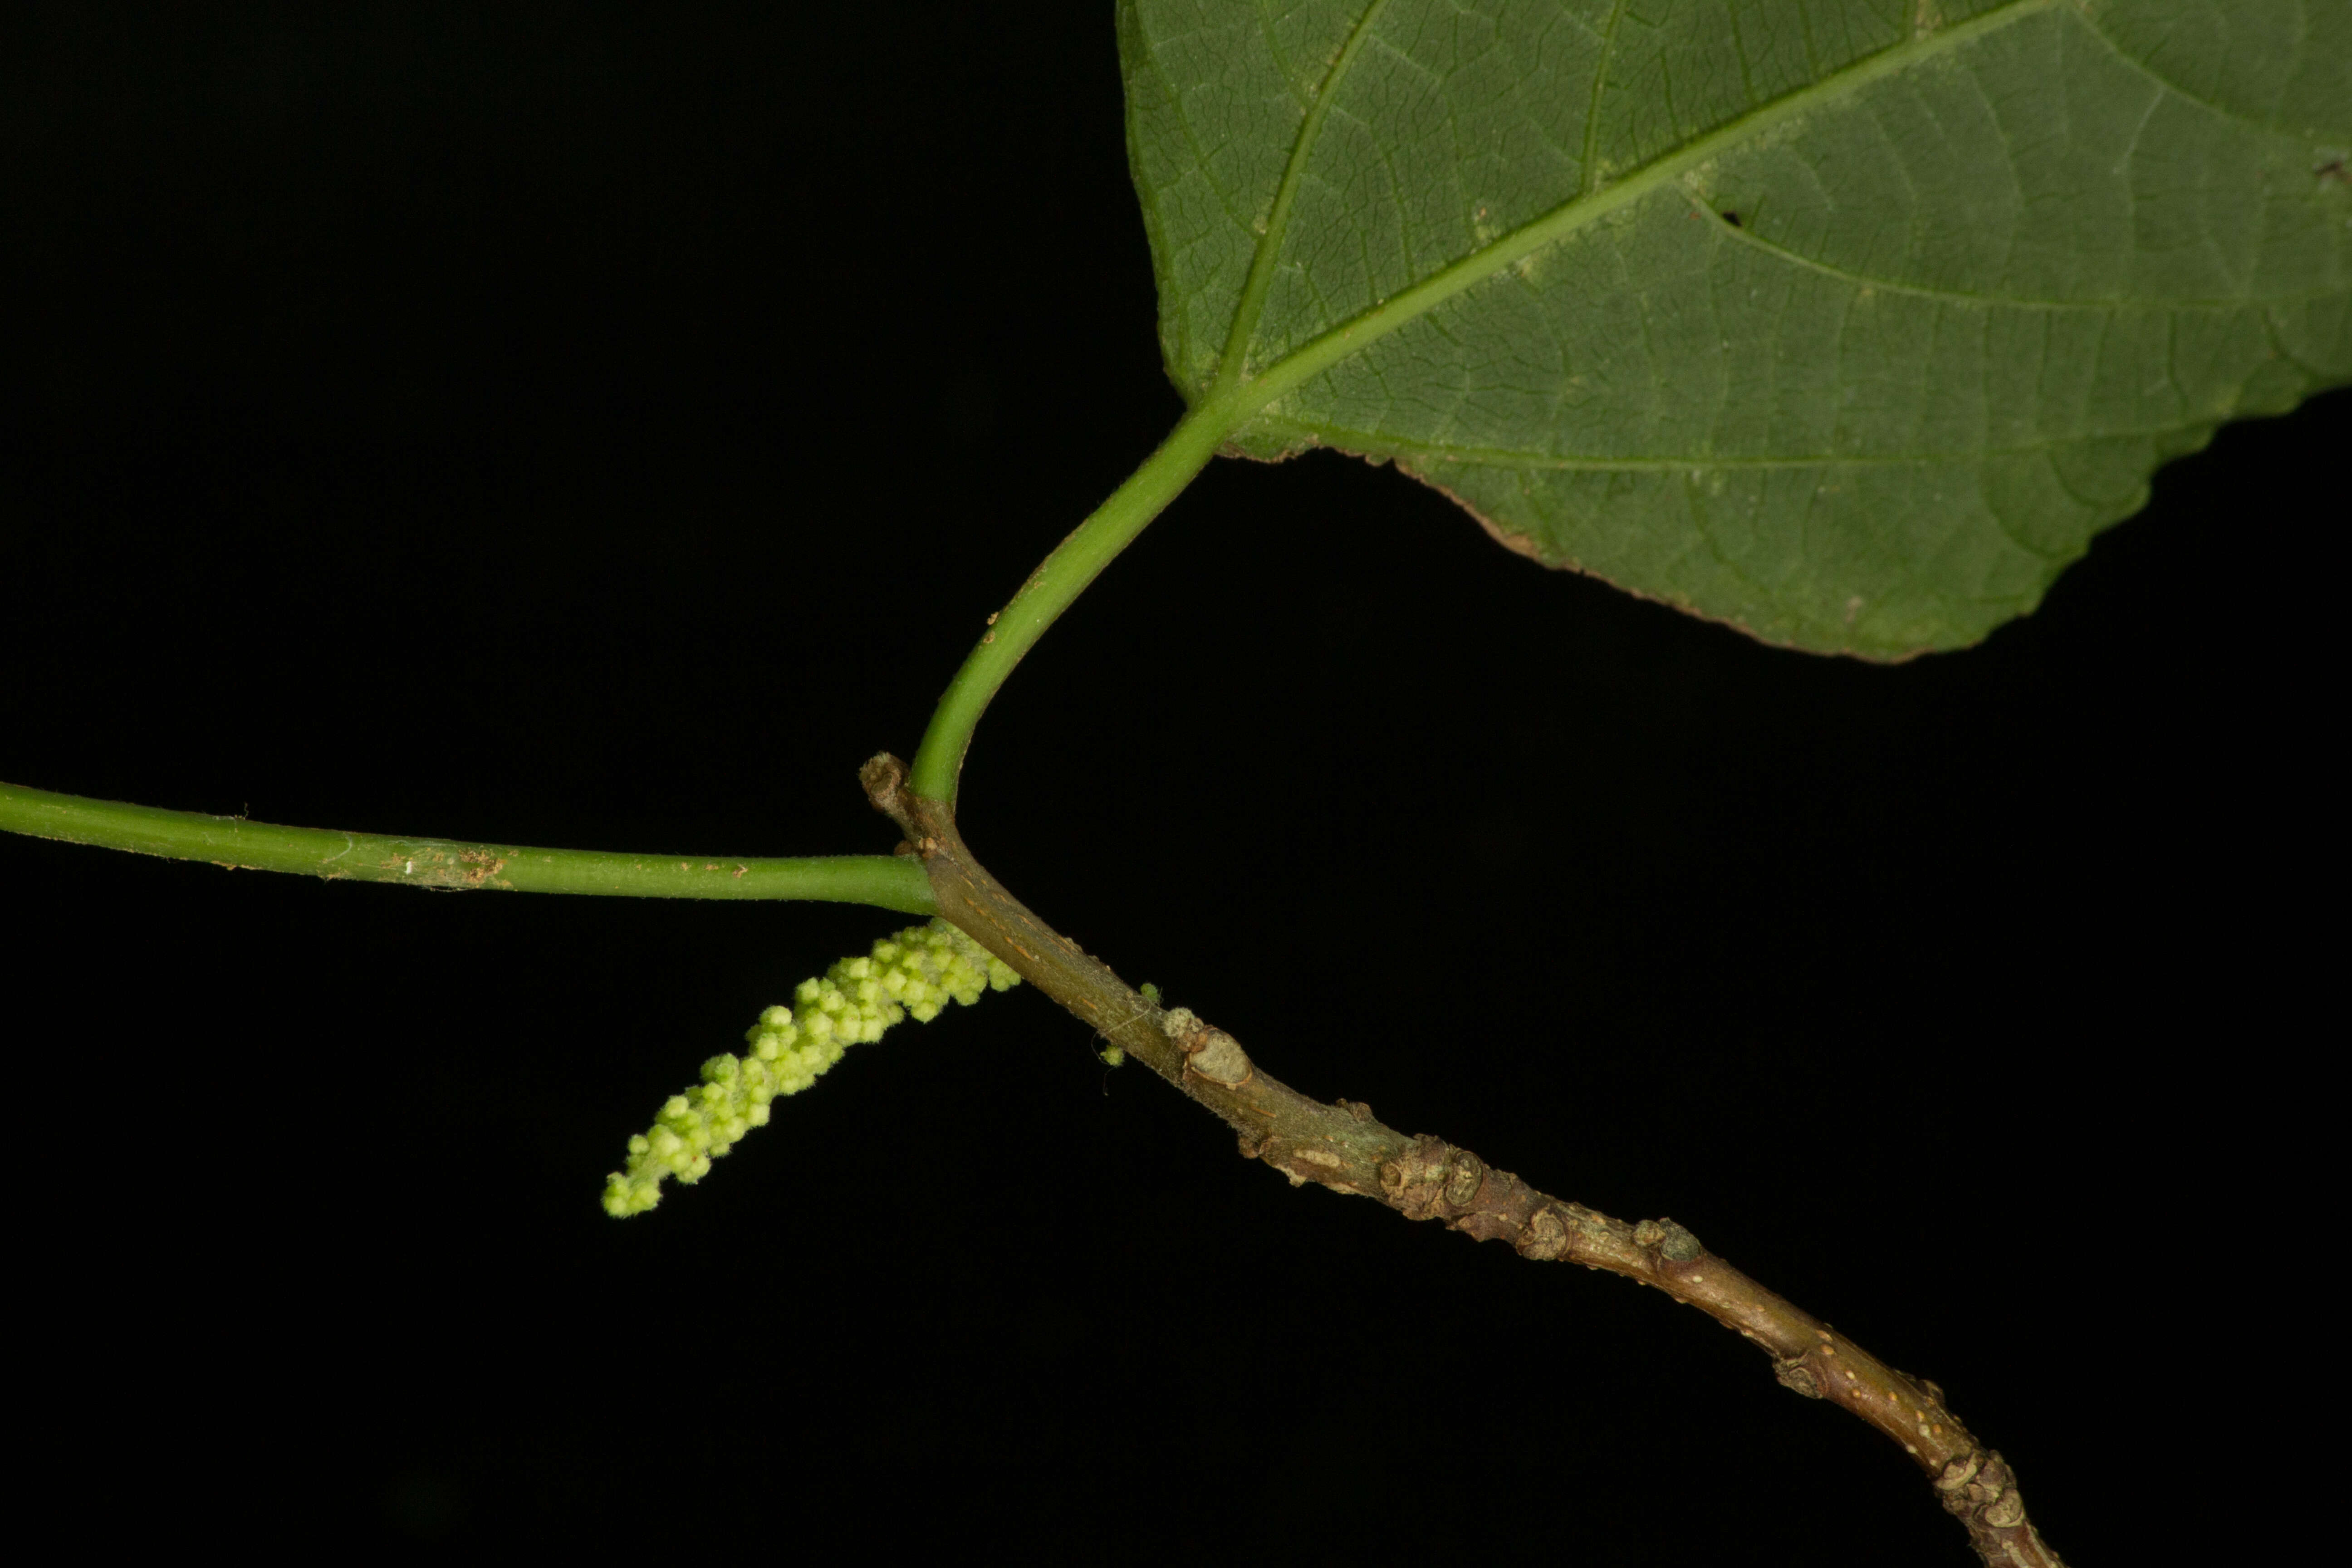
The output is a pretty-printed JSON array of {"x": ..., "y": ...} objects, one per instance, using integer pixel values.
[{"x": 1342, "y": 1146}]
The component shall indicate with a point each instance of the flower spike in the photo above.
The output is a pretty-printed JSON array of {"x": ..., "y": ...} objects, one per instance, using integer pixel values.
[{"x": 917, "y": 971}]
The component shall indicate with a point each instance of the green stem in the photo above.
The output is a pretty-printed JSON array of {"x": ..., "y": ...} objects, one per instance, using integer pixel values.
[
  {"x": 1062, "y": 577},
  {"x": 887, "y": 881}
]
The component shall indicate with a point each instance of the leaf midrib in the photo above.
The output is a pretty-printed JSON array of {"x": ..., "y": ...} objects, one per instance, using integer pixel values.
[
  {"x": 1242, "y": 397},
  {"x": 1277, "y": 222}
]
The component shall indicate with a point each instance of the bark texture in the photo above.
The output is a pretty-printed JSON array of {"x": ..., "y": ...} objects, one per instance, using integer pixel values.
[{"x": 1344, "y": 1147}]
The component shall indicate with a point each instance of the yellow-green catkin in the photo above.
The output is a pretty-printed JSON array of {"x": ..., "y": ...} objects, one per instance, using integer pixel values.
[{"x": 916, "y": 972}]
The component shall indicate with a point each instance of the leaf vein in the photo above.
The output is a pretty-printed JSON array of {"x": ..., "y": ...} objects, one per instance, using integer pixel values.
[
  {"x": 1590, "y": 174},
  {"x": 1872, "y": 283},
  {"x": 1277, "y": 223},
  {"x": 1389, "y": 448},
  {"x": 2083, "y": 15}
]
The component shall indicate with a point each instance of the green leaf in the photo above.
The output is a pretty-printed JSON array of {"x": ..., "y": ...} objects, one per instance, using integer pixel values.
[{"x": 1845, "y": 322}]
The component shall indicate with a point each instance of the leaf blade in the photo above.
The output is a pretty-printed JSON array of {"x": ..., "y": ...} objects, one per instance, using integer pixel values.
[{"x": 1857, "y": 364}]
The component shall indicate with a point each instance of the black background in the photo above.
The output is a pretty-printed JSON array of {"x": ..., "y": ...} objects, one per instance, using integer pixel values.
[{"x": 570, "y": 426}]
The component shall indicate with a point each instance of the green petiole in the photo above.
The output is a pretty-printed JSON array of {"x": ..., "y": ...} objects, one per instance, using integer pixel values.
[
  {"x": 1058, "y": 581},
  {"x": 887, "y": 881}
]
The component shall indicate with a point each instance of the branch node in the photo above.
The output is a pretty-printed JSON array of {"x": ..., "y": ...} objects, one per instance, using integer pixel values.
[
  {"x": 1674, "y": 1243},
  {"x": 1469, "y": 1174},
  {"x": 1959, "y": 1472},
  {"x": 1796, "y": 1376},
  {"x": 1545, "y": 1236},
  {"x": 1210, "y": 1054},
  {"x": 885, "y": 778},
  {"x": 1218, "y": 1058},
  {"x": 1415, "y": 1182}
]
